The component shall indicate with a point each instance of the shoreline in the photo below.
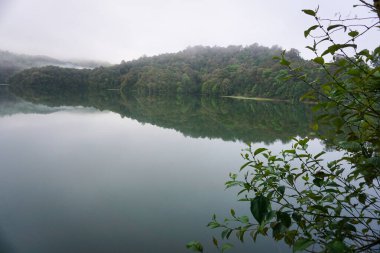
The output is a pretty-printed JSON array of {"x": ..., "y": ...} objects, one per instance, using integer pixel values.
[
  {"x": 257, "y": 98},
  {"x": 270, "y": 99}
]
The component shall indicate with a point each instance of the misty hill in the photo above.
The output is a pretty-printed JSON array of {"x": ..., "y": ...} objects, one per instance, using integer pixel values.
[
  {"x": 11, "y": 63},
  {"x": 233, "y": 70}
]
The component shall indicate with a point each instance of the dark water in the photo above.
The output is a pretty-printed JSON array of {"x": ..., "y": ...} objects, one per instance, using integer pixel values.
[{"x": 101, "y": 172}]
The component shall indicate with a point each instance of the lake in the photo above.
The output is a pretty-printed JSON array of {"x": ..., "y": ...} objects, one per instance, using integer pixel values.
[{"x": 101, "y": 172}]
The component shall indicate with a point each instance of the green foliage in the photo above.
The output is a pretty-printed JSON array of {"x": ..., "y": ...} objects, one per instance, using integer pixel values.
[
  {"x": 214, "y": 71},
  {"x": 319, "y": 203},
  {"x": 51, "y": 80},
  {"x": 195, "y": 246},
  {"x": 260, "y": 208},
  {"x": 305, "y": 199},
  {"x": 302, "y": 244},
  {"x": 310, "y": 12}
]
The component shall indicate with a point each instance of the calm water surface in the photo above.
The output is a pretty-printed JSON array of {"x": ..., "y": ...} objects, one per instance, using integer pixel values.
[{"x": 113, "y": 174}]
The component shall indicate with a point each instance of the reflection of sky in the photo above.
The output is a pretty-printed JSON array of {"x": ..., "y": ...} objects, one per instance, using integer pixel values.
[{"x": 95, "y": 182}]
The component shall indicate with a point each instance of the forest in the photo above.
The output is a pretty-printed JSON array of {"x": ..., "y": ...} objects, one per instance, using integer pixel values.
[{"x": 217, "y": 71}]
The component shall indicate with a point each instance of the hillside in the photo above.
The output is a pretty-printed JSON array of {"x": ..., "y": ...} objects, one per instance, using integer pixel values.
[
  {"x": 10, "y": 63},
  {"x": 234, "y": 70}
]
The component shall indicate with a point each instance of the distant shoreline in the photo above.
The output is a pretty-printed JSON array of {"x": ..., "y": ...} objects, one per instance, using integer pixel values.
[
  {"x": 257, "y": 98},
  {"x": 268, "y": 99}
]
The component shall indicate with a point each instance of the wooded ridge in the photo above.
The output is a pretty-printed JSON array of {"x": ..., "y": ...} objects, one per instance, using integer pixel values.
[{"x": 221, "y": 71}]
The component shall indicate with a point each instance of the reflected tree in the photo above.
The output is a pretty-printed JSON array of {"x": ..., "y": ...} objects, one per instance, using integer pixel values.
[{"x": 196, "y": 116}]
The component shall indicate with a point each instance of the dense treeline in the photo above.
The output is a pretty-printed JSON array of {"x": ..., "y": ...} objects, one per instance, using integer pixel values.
[
  {"x": 52, "y": 80},
  {"x": 234, "y": 70}
]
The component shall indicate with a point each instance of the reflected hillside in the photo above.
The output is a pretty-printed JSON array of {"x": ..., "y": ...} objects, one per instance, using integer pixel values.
[
  {"x": 225, "y": 118},
  {"x": 11, "y": 104}
]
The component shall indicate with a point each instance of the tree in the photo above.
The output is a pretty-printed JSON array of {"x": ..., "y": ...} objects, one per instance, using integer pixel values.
[{"x": 311, "y": 203}]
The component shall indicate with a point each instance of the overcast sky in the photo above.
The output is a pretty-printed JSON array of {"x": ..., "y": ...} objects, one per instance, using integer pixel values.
[{"x": 114, "y": 30}]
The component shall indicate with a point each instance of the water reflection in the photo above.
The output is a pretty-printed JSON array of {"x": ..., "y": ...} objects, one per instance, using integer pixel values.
[
  {"x": 96, "y": 182},
  {"x": 84, "y": 180},
  {"x": 225, "y": 118}
]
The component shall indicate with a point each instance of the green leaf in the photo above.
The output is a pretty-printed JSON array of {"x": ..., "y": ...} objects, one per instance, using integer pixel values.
[
  {"x": 319, "y": 154},
  {"x": 333, "y": 184},
  {"x": 290, "y": 151},
  {"x": 296, "y": 217},
  {"x": 259, "y": 150},
  {"x": 278, "y": 231},
  {"x": 331, "y": 190},
  {"x": 229, "y": 233},
  {"x": 230, "y": 184},
  {"x": 354, "y": 72},
  {"x": 226, "y": 246},
  {"x": 245, "y": 165},
  {"x": 332, "y": 49},
  {"x": 284, "y": 62},
  {"x": 213, "y": 225},
  {"x": 349, "y": 227},
  {"x": 281, "y": 189},
  {"x": 320, "y": 174},
  {"x": 362, "y": 197},
  {"x": 284, "y": 218},
  {"x": 289, "y": 237},
  {"x": 309, "y": 12},
  {"x": 244, "y": 219},
  {"x": 353, "y": 33},
  {"x": 335, "y": 26},
  {"x": 260, "y": 207},
  {"x": 195, "y": 246},
  {"x": 318, "y": 182},
  {"x": 302, "y": 244},
  {"x": 364, "y": 52},
  {"x": 319, "y": 60},
  {"x": 240, "y": 234},
  {"x": 337, "y": 247},
  {"x": 225, "y": 233},
  {"x": 290, "y": 179},
  {"x": 307, "y": 32},
  {"x": 215, "y": 242},
  {"x": 308, "y": 95}
]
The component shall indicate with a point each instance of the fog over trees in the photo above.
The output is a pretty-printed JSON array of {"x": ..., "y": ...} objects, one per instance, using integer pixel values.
[{"x": 233, "y": 70}]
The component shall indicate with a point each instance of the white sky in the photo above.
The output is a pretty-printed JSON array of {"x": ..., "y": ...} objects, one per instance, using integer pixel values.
[{"x": 113, "y": 30}]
